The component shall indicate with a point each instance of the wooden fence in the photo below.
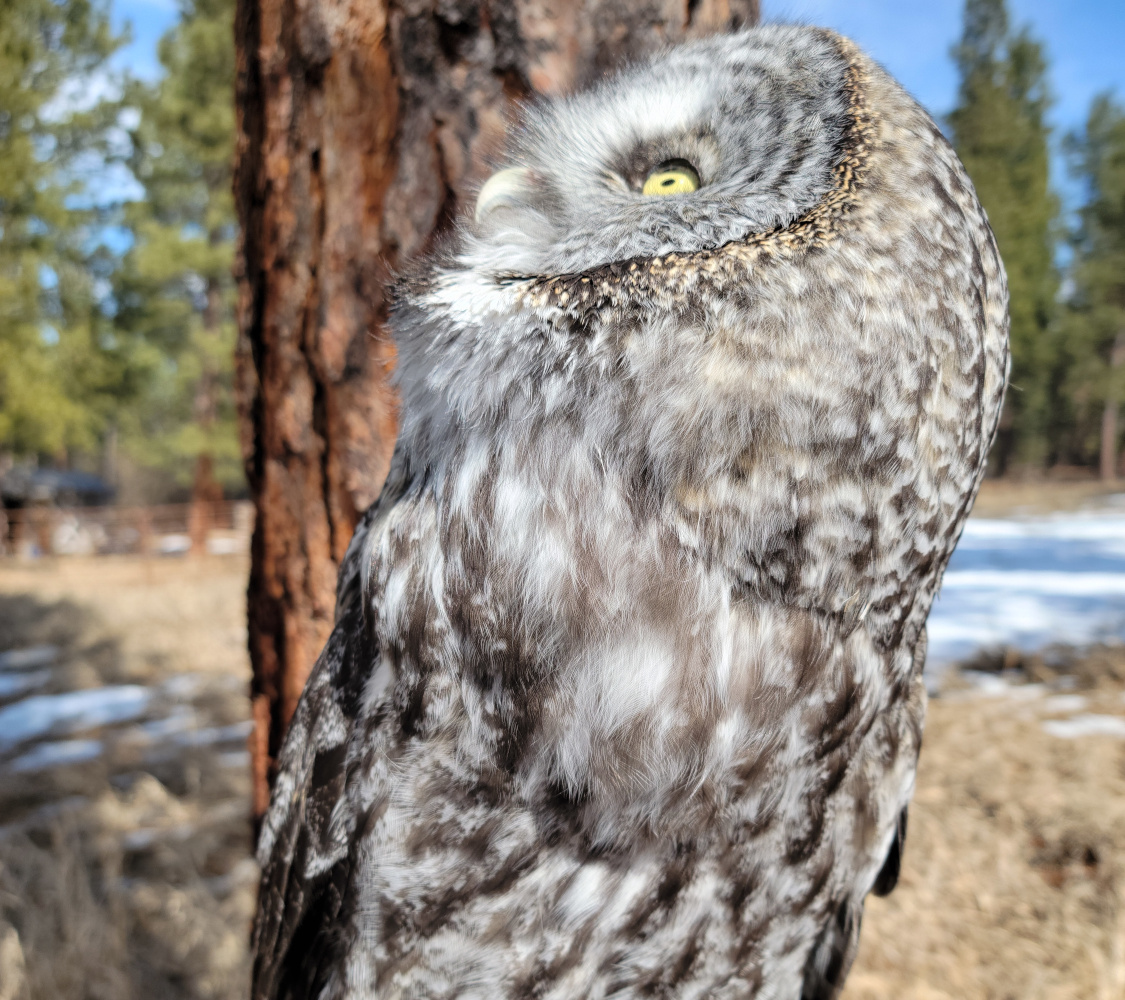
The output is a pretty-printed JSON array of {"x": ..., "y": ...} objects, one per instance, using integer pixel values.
[{"x": 221, "y": 528}]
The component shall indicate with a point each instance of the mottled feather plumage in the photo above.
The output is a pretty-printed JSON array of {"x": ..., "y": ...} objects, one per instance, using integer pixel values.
[{"x": 624, "y": 697}]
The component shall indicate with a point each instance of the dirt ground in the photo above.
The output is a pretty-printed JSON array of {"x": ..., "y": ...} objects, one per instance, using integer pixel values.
[
  {"x": 1013, "y": 881},
  {"x": 1008, "y": 497},
  {"x": 129, "y": 875}
]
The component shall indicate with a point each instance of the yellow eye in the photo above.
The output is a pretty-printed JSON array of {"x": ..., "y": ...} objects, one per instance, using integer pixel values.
[{"x": 676, "y": 177}]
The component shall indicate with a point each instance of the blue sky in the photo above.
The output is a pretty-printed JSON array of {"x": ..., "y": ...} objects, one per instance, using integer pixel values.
[
  {"x": 1084, "y": 40},
  {"x": 148, "y": 19}
]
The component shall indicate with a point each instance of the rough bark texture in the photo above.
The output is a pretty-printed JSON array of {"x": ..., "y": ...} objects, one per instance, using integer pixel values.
[{"x": 363, "y": 126}]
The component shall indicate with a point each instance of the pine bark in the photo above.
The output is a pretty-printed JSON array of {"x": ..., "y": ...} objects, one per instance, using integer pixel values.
[{"x": 363, "y": 127}]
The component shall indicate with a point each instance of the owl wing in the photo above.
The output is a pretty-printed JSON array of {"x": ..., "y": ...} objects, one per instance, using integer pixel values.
[
  {"x": 307, "y": 843},
  {"x": 831, "y": 957},
  {"x": 834, "y": 951},
  {"x": 887, "y": 878}
]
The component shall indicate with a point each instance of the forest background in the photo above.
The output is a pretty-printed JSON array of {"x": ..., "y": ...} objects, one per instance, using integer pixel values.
[{"x": 118, "y": 237}]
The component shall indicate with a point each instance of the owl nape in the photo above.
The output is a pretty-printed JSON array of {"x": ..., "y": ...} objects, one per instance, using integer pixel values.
[{"x": 624, "y": 697}]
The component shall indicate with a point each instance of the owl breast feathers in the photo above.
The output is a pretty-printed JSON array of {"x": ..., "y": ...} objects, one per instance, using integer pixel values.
[{"x": 624, "y": 696}]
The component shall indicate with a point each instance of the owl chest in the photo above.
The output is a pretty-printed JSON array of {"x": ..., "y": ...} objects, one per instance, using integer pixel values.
[
  {"x": 685, "y": 706},
  {"x": 579, "y": 649},
  {"x": 572, "y": 690},
  {"x": 583, "y": 851}
]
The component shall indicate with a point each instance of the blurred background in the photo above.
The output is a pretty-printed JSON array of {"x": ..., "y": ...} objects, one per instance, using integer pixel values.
[{"x": 198, "y": 216}]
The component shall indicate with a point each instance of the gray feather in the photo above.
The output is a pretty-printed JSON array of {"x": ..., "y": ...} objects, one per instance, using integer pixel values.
[{"x": 625, "y": 694}]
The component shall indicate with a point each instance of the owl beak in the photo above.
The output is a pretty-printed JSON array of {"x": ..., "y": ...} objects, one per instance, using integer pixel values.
[{"x": 509, "y": 188}]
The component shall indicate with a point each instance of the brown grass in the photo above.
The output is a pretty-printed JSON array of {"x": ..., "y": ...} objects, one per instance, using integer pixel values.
[
  {"x": 1008, "y": 497},
  {"x": 1013, "y": 882},
  {"x": 171, "y": 615},
  {"x": 129, "y": 876}
]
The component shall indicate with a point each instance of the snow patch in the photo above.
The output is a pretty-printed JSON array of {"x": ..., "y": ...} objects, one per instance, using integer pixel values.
[
  {"x": 1086, "y": 725},
  {"x": 46, "y": 755},
  {"x": 70, "y": 712},
  {"x": 1028, "y": 583},
  {"x": 1063, "y": 704},
  {"x": 28, "y": 659},
  {"x": 13, "y": 684}
]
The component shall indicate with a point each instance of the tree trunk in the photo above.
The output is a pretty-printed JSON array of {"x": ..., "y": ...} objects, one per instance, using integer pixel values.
[
  {"x": 205, "y": 489},
  {"x": 363, "y": 126},
  {"x": 1108, "y": 464},
  {"x": 206, "y": 492}
]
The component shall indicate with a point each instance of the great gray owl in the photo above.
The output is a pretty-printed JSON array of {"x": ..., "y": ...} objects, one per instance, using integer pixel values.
[{"x": 624, "y": 697}]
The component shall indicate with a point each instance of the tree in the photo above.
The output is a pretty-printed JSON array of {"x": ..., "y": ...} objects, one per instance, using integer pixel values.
[
  {"x": 1001, "y": 135},
  {"x": 175, "y": 290},
  {"x": 1095, "y": 318},
  {"x": 362, "y": 129},
  {"x": 60, "y": 368}
]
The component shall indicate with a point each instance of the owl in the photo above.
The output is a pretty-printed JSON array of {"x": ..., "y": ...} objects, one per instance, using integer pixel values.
[{"x": 624, "y": 697}]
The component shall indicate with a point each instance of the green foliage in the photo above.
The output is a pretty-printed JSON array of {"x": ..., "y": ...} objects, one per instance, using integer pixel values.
[
  {"x": 1000, "y": 132},
  {"x": 60, "y": 368},
  {"x": 175, "y": 289},
  {"x": 153, "y": 359},
  {"x": 1095, "y": 315}
]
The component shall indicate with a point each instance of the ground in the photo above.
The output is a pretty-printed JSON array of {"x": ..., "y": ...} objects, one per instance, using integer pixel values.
[
  {"x": 1007, "y": 497},
  {"x": 1013, "y": 881},
  {"x": 128, "y": 874}
]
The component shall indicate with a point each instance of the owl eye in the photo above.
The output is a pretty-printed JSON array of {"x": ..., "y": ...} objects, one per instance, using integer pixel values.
[{"x": 673, "y": 177}]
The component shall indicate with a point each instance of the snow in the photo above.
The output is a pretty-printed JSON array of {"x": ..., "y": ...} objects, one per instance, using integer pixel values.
[
  {"x": 13, "y": 684},
  {"x": 1031, "y": 582},
  {"x": 1040, "y": 582},
  {"x": 1063, "y": 704},
  {"x": 46, "y": 755},
  {"x": 1086, "y": 725},
  {"x": 173, "y": 545},
  {"x": 28, "y": 659},
  {"x": 75, "y": 710}
]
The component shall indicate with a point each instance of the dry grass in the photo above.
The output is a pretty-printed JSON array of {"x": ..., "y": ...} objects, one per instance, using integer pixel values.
[
  {"x": 129, "y": 876},
  {"x": 139, "y": 885},
  {"x": 165, "y": 615},
  {"x": 1008, "y": 497},
  {"x": 1013, "y": 883}
]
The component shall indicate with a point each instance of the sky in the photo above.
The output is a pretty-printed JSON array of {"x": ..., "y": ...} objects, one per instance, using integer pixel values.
[
  {"x": 1084, "y": 41},
  {"x": 148, "y": 20}
]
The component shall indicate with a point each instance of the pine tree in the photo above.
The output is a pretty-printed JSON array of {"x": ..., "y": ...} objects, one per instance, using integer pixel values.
[
  {"x": 60, "y": 368},
  {"x": 1095, "y": 319},
  {"x": 175, "y": 289},
  {"x": 1000, "y": 132}
]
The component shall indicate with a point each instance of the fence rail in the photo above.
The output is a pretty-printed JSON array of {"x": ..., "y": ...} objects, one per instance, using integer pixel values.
[{"x": 219, "y": 528}]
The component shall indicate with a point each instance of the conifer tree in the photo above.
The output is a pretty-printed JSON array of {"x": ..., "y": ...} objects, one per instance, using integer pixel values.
[
  {"x": 175, "y": 290},
  {"x": 60, "y": 368},
  {"x": 1001, "y": 134},
  {"x": 1095, "y": 321}
]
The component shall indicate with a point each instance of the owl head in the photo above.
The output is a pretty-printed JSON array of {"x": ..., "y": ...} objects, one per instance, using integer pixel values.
[
  {"x": 744, "y": 292},
  {"x": 624, "y": 220},
  {"x": 750, "y": 279},
  {"x": 697, "y": 147}
]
